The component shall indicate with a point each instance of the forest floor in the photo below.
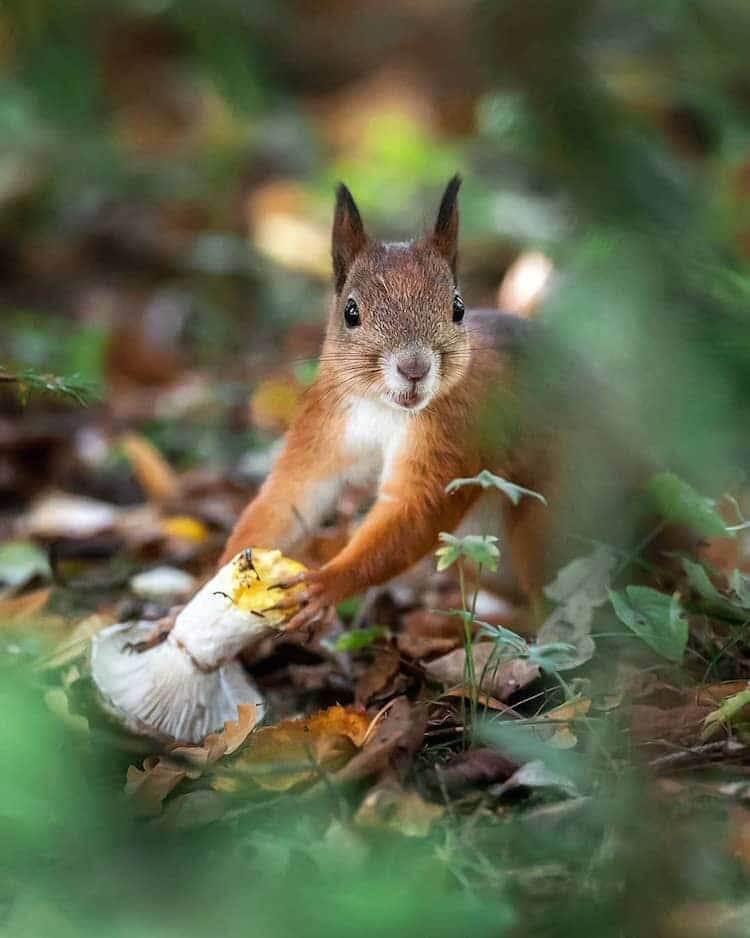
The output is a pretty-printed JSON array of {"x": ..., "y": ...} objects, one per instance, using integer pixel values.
[{"x": 610, "y": 770}]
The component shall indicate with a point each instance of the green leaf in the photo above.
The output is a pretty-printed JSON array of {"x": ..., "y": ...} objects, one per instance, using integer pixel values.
[
  {"x": 554, "y": 656},
  {"x": 358, "y": 638},
  {"x": 739, "y": 583},
  {"x": 700, "y": 582},
  {"x": 488, "y": 480},
  {"x": 504, "y": 637},
  {"x": 727, "y": 710},
  {"x": 21, "y": 561},
  {"x": 482, "y": 549},
  {"x": 348, "y": 608},
  {"x": 654, "y": 617},
  {"x": 677, "y": 501}
]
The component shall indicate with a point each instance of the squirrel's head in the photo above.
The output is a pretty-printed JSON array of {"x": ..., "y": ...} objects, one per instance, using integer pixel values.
[{"x": 396, "y": 330}]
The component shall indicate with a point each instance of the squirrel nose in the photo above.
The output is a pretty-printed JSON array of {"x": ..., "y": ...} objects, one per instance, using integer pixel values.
[{"x": 414, "y": 367}]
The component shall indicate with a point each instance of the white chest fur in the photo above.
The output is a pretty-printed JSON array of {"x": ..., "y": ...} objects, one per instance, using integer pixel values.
[{"x": 373, "y": 435}]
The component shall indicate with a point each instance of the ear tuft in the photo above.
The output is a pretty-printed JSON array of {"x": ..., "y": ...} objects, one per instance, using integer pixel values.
[
  {"x": 445, "y": 234},
  {"x": 348, "y": 236}
]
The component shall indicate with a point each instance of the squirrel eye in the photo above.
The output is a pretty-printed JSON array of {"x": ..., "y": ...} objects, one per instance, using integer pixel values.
[
  {"x": 458, "y": 308},
  {"x": 351, "y": 313}
]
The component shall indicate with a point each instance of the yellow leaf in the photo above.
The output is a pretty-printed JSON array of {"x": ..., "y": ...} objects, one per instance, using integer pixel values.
[
  {"x": 184, "y": 528},
  {"x": 15, "y": 609},
  {"x": 216, "y": 745},
  {"x": 561, "y": 721},
  {"x": 297, "y": 751},
  {"x": 154, "y": 474},
  {"x": 388, "y": 807},
  {"x": 274, "y": 403},
  {"x": 149, "y": 786}
]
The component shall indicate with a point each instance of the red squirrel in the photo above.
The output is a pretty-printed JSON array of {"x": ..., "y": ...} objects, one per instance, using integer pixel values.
[{"x": 397, "y": 403}]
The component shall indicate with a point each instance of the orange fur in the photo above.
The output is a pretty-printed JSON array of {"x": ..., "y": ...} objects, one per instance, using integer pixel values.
[{"x": 412, "y": 440}]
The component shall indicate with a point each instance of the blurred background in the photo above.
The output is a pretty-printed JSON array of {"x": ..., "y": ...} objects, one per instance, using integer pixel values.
[
  {"x": 167, "y": 174},
  {"x": 166, "y": 179}
]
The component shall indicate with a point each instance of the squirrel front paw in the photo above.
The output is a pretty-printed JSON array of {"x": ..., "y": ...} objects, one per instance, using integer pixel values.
[{"x": 315, "y": 603}]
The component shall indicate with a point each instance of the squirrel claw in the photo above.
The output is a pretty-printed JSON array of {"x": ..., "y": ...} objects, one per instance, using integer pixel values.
[
  {"x": 291, "y": 581},
  {"x": 314, "y": 610}
]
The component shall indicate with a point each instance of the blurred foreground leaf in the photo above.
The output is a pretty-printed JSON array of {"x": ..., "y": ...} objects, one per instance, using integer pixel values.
[
  {"x": 677, "y": 501},
  {"x": 655, "y": 618}
]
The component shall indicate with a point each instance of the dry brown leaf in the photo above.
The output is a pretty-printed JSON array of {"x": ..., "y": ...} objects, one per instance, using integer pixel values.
[
  {"x": 297, "y": 751},
  {"x": 380, "y": 672},
  {"x": 149, "y": 786},
  {"x": 397, "y": 730},
  {"x": 484, "y": 699},
  {"x": 216, "y": 745},
  {"x": 14, "y": 609},
  {"x": 500, "y": 681},
  {"x": 426, "y": 633},
  {"x": 389, "y": 807},
  {"x": 474, "y": 767},
  {"x": 676, "y": 715},
  {"x": 677, "y": 725},
  {"x": 154, "y": 474},
  {"x": 562, "y": 718}
]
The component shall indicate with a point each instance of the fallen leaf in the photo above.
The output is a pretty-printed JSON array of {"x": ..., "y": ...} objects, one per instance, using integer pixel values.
[
  {"x": 536, "y": 775},
  {"x": 216, "y": 745},
  {"x": 154, "y": 474},
  {"x": 293, "y": 752},
  {"x": 475, "y": 767},
  {"x": 378, "y": 675},
  {"x": 579, "y": 588},
  {"x": 67, "y": 516},
  {"x": 396, "y": 731},
  {"x": 191, "y": 810},
  {"x": 163, "y": 583},
  {"x": 148, "y": 787},
  {"x": 184, "y": 528},
  {"x": 274, "y": 402},
  {"x": 484, "y": 699},
  {"x": 389, "y": 807},
  {"x": 561, "y": 720},
  {"x": 14, "y": 609},
  {"x": 679, "y": 725},
  {"x": 21, "y": 562},
  {"x": 500, "y": 680},
  {"x": 426, "y": 633}
]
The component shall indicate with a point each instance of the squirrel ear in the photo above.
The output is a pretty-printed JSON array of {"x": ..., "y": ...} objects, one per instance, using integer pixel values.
[
  {"x": 348, "y": 236},
  {"x": 445, "y": 234}
]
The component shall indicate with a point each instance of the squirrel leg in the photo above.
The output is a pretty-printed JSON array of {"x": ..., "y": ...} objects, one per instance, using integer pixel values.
[
  {"x": 302, "y": 487},
  {"x": 399, "y": 530}
]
